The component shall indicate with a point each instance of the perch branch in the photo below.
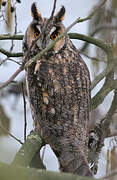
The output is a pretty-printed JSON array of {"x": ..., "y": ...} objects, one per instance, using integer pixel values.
[
  {"x": 8, "y": 172},
  {"x": 28, "y": 150}
]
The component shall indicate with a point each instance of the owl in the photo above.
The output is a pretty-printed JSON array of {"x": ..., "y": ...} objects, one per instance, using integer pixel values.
[{"x": 58, "y": 87}]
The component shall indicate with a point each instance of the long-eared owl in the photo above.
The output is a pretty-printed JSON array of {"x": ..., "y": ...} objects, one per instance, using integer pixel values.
[{"x": 58, "y": 87}]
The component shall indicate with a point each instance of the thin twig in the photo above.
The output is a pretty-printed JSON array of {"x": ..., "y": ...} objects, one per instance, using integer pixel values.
[
  {"x": 9, "y": 54},
  {"x": 3, "y": 85},
  {"x": 15, "y": 22},
  {"x": 54, "y": 7},
  {"x": 5, "y": 130},
  {"x": 97, "y": 7},
  {"x": 25, "y": 121},
  {"x": 12, "y": 45},
  {"x": 8, "y": 59}
]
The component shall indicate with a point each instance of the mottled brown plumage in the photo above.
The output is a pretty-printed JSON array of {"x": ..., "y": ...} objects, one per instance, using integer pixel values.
[{"x": 58, "y": 88}]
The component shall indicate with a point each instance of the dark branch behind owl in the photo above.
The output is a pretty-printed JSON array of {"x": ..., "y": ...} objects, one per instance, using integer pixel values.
[{"x": 54, "y": 7}]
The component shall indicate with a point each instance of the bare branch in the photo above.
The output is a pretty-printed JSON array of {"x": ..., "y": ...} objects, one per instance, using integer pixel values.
[
  {"x": 11, "y": 37},
  {"x": 112, "y": 110},
  {"x": 9, "y": 54},
  {"x": 27, "y": 152},
  {"x": 3, "y": 85},
  {"x": 8, "y": 59},
  {"x": 104, "y": 73},
  {"x": 104, "y": 91},
  {"x": 10, "y": 134},
  {"x": 103, "y": 45},
  {"x": 25, "y": 121},
  {"x": 97, "y": 7},
  {"x": 54, "y": 7}
]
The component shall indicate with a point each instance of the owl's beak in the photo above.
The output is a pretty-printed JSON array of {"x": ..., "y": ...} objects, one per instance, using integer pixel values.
[{"x": 44, "y": 44}]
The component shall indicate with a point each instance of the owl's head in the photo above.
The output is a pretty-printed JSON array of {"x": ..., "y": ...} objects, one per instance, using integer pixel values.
[{"x": 46, "y": 30}]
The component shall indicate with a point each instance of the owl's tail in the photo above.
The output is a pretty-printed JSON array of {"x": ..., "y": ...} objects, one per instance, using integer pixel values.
[
  {"x": 72, "y": 158},
  {"x": 75, "y": 163}
]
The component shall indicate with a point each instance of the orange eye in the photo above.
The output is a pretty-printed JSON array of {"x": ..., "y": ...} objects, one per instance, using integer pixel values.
[
  {"x": 53, "y": 36},
  {"x": 36, "y": 34}
]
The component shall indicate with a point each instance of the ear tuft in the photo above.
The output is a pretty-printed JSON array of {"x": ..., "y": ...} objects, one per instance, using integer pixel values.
[
  {"x": 61, "y": 14},
  {"x": 35, "y": 12}
]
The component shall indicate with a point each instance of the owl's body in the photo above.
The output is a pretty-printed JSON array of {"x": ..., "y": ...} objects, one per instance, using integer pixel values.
[{"x": 58, "y": 86}]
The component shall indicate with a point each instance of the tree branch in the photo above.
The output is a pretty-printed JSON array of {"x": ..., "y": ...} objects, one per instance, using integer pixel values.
[
  {"x": 104, "y": 91},
  {"x": 53, "y": 10},
  {"x": 8, "y": 172},
  {"x": 11, "y": 37},
  {"x": 25, "y": 121},
  {"x": 107, "y": 70},
  {"x": 32, "y": 145},
  {"x": 97, "y": 42},
  {"x": 113, "y": 108},
  {"x": 9, "y": 54},
  {"x": 3, "y": 85},
  {"x": 104, "y": 27}
]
